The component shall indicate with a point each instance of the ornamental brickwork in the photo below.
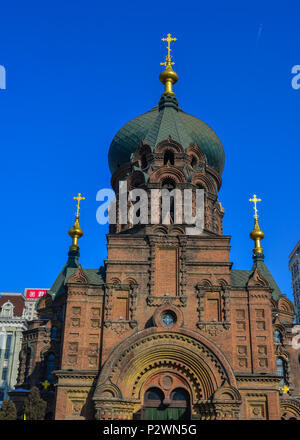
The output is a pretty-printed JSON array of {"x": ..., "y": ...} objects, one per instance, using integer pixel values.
[{"x": 166, "y": 329}]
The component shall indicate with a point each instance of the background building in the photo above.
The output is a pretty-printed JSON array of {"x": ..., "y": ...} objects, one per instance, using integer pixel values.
[
  {"x": 12, "y": 324},
  {"x": 31, "y": 298},
  {"x": 294, "y": 266}
]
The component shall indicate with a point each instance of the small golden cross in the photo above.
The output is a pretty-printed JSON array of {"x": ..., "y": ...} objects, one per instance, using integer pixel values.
[
  {"x": 285, "y": 389},
  {"x": 46, "y": 384},
  {"x": 169, "y": 40},
  {"x": 255, "y": 200},
  {"x": 78, "y": 198}
]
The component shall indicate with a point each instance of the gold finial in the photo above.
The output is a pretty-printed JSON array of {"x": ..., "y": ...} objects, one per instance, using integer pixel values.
[
  {"x": 168, "y": 77},
  {"x": 257, "y": 234},
  {"x": 76, "y": 232}
]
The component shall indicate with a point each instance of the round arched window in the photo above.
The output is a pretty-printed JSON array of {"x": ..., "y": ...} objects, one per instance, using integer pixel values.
[
  {"x": 154, "y": 394},
  {"x": 180, "y": 394}
]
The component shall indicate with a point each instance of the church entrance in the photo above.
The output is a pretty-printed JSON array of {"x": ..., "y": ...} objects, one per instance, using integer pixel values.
[{"x": 158, "y": 407}]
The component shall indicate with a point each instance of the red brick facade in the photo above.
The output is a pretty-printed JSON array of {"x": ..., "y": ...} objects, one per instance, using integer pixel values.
[{"x": 113, "y": 342}]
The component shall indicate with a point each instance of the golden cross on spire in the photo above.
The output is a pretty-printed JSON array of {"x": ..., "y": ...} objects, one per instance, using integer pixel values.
[
  {"x": 78, "y": 198},
  {"x": 169, "y": 40},
  {"x": 255, "y": 200}
]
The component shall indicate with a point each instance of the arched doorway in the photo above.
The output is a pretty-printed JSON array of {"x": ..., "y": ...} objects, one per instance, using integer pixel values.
[{"x": 159, "y": 407}]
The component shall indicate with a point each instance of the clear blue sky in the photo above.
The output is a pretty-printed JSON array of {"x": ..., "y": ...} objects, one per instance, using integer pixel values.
[{"x": 78, "y": 70}]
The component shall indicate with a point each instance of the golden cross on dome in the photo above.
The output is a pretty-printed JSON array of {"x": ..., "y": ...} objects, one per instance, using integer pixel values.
[
  {"x": 255, "y": 200},
  {"x": 78, "y": 198},
  {"x": 285, "y": 389},
  {"x": 169, "y": 40}
]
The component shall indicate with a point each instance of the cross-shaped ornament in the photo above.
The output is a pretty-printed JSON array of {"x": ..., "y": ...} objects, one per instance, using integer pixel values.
[
  {"x": 169, "y": 40},
  {"x": 78, "y": 198},
  {"x": 285, "y": 389},
  {"x": 255, "y": 200},
  {"x": 46, "y": 384}
]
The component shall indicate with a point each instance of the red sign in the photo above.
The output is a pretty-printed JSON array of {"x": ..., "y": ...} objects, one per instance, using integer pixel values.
[{"x": 35, "y": 293}]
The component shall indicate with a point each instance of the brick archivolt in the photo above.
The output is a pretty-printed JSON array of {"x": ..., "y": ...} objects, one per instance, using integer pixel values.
[{"x": 199, "y": 361}]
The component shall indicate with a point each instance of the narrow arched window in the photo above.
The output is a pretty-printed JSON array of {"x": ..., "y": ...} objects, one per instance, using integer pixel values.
[
  {"x": 281, "y": 368},
  {"x": 277, "y": 336},
  {"x": 169, "y": 157},
  {"x": 169, "y": 184},
  {"x": 50, "y": 365}
]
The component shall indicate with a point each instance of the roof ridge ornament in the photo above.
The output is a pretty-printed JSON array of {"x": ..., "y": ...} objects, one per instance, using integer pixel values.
[
  {"x": 168, "y": 76},
  {"x": 257, "y": 234}
]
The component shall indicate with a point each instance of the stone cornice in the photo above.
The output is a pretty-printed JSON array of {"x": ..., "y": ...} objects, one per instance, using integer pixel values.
[
  {"x": 257, "y": 377},
  {"x": 78, "y": 374},
  {"x": 208, "y": 263},
  {"x": 131, "y": 263}
]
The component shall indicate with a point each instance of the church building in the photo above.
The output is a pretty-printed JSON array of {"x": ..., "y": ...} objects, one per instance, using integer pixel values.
[{"x": 166, "y": 329}]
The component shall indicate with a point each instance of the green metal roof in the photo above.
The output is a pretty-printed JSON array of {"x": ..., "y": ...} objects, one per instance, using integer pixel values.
[
  {"x": 165, "y": 120},
  {"x": 94, "y": 276},
  {"x": 240, "y": 278}
]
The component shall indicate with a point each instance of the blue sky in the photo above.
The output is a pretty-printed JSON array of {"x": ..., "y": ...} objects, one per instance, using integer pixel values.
[{"x": 77, "y": 71}]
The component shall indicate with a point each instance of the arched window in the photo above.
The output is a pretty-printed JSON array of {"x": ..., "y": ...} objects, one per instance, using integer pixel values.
[
  {"x": 154, "y": 394},
  {"x": 180, "y": 394},
  {"x": 277, "y": 336},
  {"x": 7, "y": 310},
  {"x": 281, "y": 368},
  {"x": 50, "y": 365},
  {"x": 169, "y": 157},
  {"x": 169, "y": 184}
]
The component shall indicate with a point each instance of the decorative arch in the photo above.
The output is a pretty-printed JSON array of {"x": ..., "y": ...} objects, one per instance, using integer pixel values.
[
  {"x": 167, "y": 145},
  {"x": 227, "y": 393},
  {"x": 131, "y": 281},
  {"x": 194, "y": 151},
  {"x": 160, "y": 230},
  {"x": 290, "y": 409},
  {"x": 285, "y": 305},
  {"x": 200, "y": 179},
  {"x": 176, "y": 230},
  {"x": 222, "y": 282},
  {"x": 109, "y": 390},
  {"x": 169, "y": 172},
  {"x": 115, "y": 281},
  {"x": 186, "y": 352},
  {"x": 205, "y": 283}
]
